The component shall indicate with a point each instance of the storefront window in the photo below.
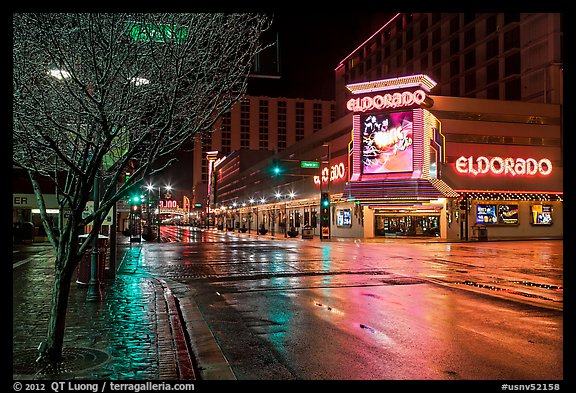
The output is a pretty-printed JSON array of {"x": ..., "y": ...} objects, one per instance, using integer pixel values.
[{"x": 406, "y": 225}]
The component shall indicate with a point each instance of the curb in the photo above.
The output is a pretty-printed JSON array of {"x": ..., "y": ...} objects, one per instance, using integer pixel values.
[{"x": 185, "y": 368}]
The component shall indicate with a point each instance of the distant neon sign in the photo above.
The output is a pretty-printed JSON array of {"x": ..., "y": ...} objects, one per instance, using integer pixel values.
[
  {"x": 336, "y": 172},
  {"x": 503, "y": 166},
  {"x": 170, "y": 204},
  {"x": 386, "y": 101}
]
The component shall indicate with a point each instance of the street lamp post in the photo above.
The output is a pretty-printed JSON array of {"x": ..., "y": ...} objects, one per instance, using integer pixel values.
[
  {"x": 151, "y": 187},
  {"x": 94, "y": 294},
  {"x": 251, "y": 201}
]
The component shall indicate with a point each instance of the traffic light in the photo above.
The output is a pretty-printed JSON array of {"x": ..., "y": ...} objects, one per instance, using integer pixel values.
[
  {"x": 136, "y": 210},
  {"x": 325, "y": 200},
  {"x": 135, "y": 205},
  {"x": 276, "y": 168},
  {"x": 325, "y": 209}
]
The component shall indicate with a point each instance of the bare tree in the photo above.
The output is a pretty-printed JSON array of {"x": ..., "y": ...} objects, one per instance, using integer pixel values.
[{"x": 94, "y": 93}]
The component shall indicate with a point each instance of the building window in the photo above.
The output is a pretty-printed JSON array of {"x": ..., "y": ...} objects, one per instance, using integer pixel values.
[
  {"x": 512, "y": 64},
  {"x": 469, "y": 37},
  {"x": 512, "y": 39},
  {"x": 512, "y": 90},
  {"x": 454, "y": 46},
  {"x": 245, "y": 124},
  {"x": 436, "y": 35},
  {"x": 424, "y": 62},
  {"x": 316, "y": 117},
  {"x": 455, "y": 66},
  {"x": 455, "y": 87},
  {"x": 409, "y": 53},
  {"x": 424, "y": 43},
  {"x": 492, "y": 93},
  {"x": 511, "y": 18},
  {"x": 454, "y": 24},
  {"x": 470, "y": 59},
  {"x": 263, "y": 125},
  {"x": 492, "y": 48},
  {"x": 206, "y": 142},
  {"x": 226, "y": 132},
  {"x": 299, "y": 121},
  {"x": 470, "y": 83},
  {"x": 409, "y": 35},
  {"x": 424, "y": 23},
  {"x": 436, "y": 56},
  {"x": 399, "y": 25},
  {"x": 469, "y": 17},
  {"x": 491, "y": 24},
  {"x": 282, "y": 125},
  {"x": 492, "y": 74},
  {"x": 332, "y": 113}
]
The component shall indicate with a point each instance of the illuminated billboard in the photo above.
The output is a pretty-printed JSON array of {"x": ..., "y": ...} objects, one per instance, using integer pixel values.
[{"x": 387, "y": 140}]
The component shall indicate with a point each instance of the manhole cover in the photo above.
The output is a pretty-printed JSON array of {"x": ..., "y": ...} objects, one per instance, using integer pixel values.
[{"x": 75, "y": 359}]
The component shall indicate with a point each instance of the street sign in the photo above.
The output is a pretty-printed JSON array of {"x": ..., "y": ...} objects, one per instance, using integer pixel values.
[{"x": 309, "y": 164}]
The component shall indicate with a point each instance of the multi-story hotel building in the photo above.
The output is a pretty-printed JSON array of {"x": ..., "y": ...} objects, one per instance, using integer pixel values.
[
  {"x": 496, "y": 56},
  {"x": 267, "y": 125}
]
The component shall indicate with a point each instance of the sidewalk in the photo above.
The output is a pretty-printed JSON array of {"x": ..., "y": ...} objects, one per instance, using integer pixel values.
[{"x": 134, "y": 333}]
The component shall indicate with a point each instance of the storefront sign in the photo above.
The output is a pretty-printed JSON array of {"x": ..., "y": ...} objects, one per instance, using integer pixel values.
[
  {"x": 386, "y": 101},
  {"x": 343, "y": 218},
  {"x": 541, "y": 214},
  {"x": 169, "y": 204},
  {"x": 503, "y": 166},
  {"x": 503, "y": 214},
  {"x": 335, "y": 173}
]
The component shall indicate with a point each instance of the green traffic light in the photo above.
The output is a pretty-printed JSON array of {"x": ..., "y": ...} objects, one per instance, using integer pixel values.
[
  {"x": 276, "y": 170},
  {"x": 325, "y": 203}
]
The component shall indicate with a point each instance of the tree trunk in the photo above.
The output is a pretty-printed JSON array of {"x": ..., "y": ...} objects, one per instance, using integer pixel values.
[{"x": 52, "y": 350}]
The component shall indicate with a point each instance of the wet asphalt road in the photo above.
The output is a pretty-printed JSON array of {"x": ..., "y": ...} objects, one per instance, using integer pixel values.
[{"x": 386, "y": 310}]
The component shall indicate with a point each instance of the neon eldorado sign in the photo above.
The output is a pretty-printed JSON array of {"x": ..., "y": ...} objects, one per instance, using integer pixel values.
[
  {"x": 386, "y": 101},
  {"x": 503, "y": 166},
  {"x": 335, "y": 173}
]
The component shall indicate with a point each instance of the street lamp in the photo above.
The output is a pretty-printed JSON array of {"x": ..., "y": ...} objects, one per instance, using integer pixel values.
[{"x": 151, "y": 187}]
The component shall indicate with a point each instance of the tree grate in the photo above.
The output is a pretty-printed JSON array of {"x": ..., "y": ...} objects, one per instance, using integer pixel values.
[{"x": 75, "y": 359}]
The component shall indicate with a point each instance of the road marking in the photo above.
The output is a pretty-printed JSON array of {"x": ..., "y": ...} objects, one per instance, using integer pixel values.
[{"x": 15, "y": 265}]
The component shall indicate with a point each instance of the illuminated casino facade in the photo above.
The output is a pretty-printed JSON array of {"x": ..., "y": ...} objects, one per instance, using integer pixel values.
[
  {"x": 406, "y": 163},
  {"x": 447, "y": 125}
]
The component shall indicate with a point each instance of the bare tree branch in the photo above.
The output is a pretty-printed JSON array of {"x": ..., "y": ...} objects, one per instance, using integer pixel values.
[{"x": 96, "y": 93}]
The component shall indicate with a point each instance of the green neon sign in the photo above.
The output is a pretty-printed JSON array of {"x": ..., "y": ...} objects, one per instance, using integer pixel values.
[
  {"x": 158, "y": 33},
  {"x": 309, "y": 164}
]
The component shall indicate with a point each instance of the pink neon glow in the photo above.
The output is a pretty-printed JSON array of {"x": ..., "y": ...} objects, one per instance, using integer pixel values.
[
  {"x": 171, "y": 204},
  {"x": 335, "y": 173},
  {"x": 386, "y": 101},
  {"x": 503, "y": 166}
]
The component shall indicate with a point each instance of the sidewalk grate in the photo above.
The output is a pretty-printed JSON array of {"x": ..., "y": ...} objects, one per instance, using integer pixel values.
[{"x": 75, "y": 359}]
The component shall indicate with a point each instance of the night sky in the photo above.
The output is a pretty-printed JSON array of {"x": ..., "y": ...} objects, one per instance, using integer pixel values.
[{"x": 311, "y": 46}]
